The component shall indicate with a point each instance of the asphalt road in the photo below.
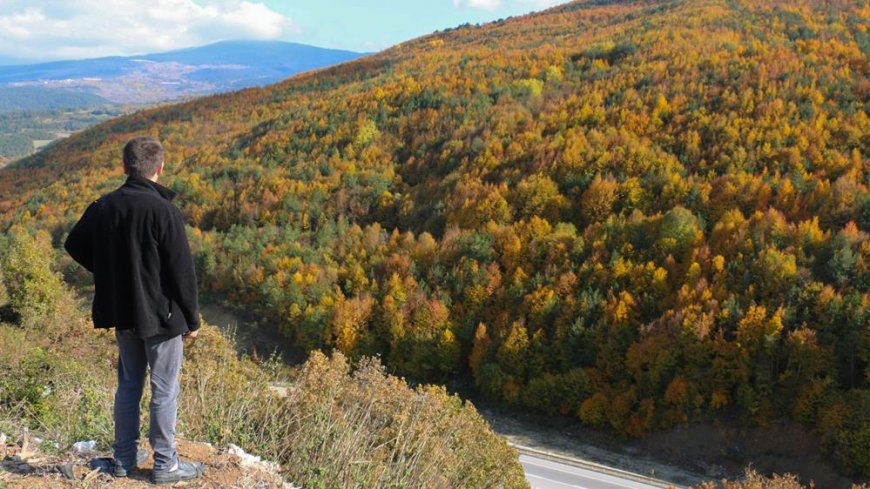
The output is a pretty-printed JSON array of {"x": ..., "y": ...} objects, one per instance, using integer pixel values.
[{"x": 548, "y": 474}]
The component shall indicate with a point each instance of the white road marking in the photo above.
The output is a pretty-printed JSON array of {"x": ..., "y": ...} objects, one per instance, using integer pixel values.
[{"x": 563, "y": 484}]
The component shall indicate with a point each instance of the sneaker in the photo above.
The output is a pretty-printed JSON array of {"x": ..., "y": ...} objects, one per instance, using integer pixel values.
[{"x": 182, "y": 471}]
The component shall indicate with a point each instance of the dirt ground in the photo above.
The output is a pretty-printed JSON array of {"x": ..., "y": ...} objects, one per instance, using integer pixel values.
[{"x": 35, "y": 470}]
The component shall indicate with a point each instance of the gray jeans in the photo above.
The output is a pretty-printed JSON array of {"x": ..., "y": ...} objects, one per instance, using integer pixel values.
[{"x": 163, "y": 354}]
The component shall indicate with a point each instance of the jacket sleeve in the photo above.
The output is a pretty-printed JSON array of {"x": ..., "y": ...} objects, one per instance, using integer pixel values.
[
  {"x": 80, "y": 241},
  {"x": 178, "y": 269}
]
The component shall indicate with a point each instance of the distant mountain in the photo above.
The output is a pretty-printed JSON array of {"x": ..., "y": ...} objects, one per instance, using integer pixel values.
[
  {"x": 38, "y": 98},
  {"x": 217, "y": 67}
]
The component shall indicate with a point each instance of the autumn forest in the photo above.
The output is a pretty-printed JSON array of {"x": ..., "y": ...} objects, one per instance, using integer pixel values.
[{"x": 637, "y": 214}]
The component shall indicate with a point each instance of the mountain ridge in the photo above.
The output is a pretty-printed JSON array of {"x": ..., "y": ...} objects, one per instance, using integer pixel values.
[{"x": 220, "y": 66}]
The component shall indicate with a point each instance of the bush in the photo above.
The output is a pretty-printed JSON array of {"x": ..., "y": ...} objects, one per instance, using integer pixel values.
[
  {"x": 423, "y": 437},
  {"x": 32, "y": 288},
  {"x": 752, "y": 480}
]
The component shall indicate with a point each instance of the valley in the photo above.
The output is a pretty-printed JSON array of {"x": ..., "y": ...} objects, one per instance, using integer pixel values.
[{"x": 26, "y": 132}]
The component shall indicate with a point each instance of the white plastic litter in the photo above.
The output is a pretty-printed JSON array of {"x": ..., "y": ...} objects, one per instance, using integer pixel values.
[
  {"x": 85, "y": 448},
  {"x": 2, "y": 438},
  {"x": 248, "y": 460}
]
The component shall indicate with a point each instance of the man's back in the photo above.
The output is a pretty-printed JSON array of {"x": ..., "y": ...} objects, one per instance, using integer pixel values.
[{"x": 133, "y": 241}]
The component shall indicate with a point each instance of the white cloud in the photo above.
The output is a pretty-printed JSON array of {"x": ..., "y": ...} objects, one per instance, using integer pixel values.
[
  {"x": 60, "y": 29},
  {"x": 479, "y": 4}
]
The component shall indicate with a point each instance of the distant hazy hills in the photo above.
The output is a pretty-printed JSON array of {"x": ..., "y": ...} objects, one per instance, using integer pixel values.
[
  {"x": 39, "y": 98},
  {"x": 148, "y": 78}
]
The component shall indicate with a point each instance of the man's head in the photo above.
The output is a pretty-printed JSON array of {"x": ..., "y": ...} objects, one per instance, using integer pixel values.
[{"x": 143, "y": 157}]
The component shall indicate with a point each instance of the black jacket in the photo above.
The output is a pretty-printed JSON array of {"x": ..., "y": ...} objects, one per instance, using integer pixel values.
[{"x": 133, "y": 241}]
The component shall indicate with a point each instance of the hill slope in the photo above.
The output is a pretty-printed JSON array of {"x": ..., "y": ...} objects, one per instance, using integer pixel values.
[{"x": 633, "y": 213}]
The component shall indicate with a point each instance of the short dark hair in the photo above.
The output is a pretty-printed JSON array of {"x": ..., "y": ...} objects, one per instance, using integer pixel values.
[{"x": 143, "y": 156}]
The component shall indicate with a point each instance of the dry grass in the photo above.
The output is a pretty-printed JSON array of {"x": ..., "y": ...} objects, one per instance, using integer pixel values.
[{"x": 338, "y": 427}]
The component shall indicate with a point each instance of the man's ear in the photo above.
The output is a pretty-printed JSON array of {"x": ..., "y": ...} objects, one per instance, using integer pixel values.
[{"x": 160, "y": 170}]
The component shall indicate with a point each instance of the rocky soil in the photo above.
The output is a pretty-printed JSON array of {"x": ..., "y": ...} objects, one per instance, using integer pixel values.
[{"x": 23, "y": 465}]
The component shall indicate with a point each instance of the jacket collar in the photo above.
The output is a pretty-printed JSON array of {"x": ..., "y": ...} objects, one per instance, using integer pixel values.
[{"x": 145, "y": 184}]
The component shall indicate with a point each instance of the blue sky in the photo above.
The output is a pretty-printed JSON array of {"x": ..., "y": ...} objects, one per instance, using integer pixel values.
[
  {"x": 44, "y": 30},
  {"x": 375, "y": 24}
]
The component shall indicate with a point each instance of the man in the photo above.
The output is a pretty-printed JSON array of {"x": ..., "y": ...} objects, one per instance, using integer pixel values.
[{"x": 133, "y": 242}]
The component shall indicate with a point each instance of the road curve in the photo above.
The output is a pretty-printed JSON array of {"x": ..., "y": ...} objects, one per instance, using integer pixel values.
[{"x": 548, "y": 471}]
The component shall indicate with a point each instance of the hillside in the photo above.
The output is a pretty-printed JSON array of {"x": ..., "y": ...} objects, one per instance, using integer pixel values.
[
  {"x": 155, "y": 77},
  {"x": 36, "y": 98},
  {"x": 637, "y": 214}
]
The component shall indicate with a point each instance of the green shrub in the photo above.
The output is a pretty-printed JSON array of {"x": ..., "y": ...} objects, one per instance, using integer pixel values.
[{"x": 32, "y": 287}]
